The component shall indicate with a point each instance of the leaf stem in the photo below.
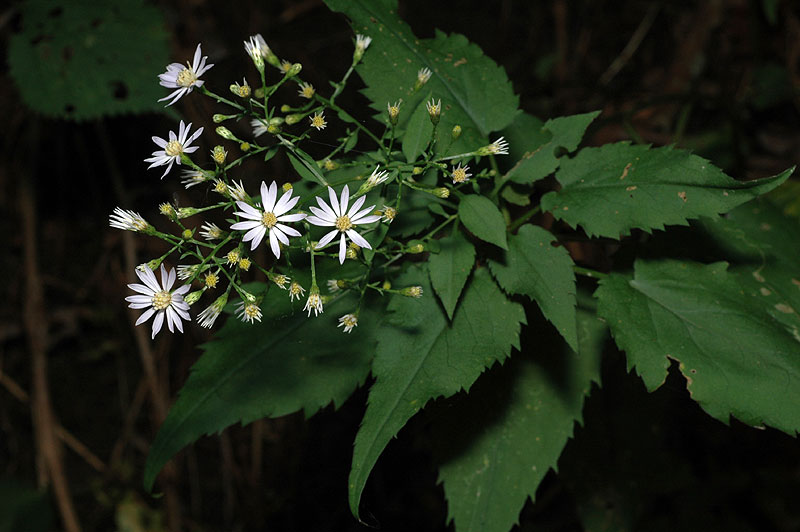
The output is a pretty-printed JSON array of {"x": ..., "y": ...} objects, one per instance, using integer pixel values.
[
  {"x": 588, "y": 272},
  {"x": 524, "y": 218}
]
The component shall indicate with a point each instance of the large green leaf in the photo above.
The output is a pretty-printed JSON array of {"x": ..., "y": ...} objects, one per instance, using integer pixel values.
[
  {"x": 450, "y": 268},
  {"x": 483, "y": 219},
  {"x": 286, "y": 363},
  {"x": 475, "y": 92},
  {"x": 541, "y": 158},
  {"x": 618, "y": 187},
  {"x": 76, "y": 59},
  {"x": 502, "y": 439},
  {"x": 418, "y": 133},
  {"x": 421, "y": 356},
  {"x": 737, "y": 359},
  {"x": 534, "y": 267}
]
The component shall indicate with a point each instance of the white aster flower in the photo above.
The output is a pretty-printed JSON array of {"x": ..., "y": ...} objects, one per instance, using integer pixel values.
[
  {"x": 314, "y": 302},
  {"x": 191, "y": 177},
  {"x": 208, "y": 316},
  {"x": 174, "y": 148},
  {"x": 184, "y": 78},
  {"x": 259, "y": 127},
  {"x": 257, "y": 47},
  {"x": 187, "y": 270},
  {"x": 498, "y": 147},
  {"x": 460, "y": 174},
  {"x": 210, "y": 231},
  {"x": 306, "y": 90},
  {"x": 237, "y": 192},
  {"x": 296, "y": 291},
  {"x": 348, "y": 321},
  {"x": 247, "y": 311},
  {"x": 423, "y": 75},
  {"x": 377, "y": 177},
  {"x": 343, "y": 220},
  {"x": 333, "y": 285},
  {"x": 268, "y": 219},
  {"x": 127, "y": 220},
  {"x": 162, "y": 300},
  {"x": 362, "y": 43},
  {"x": 318, "y": 121}
]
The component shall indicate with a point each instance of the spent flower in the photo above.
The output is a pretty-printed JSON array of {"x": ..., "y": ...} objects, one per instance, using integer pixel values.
[
  {"x": 348, "y": 321},
  {"x": 128, "y": 221}
]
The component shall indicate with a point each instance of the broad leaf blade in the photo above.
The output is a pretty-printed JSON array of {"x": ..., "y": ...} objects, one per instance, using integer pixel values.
[
  {"x": 475, "y": 92},
  {"x": 77, "y": 60},
  {"x": 420, "y": 356},
  {"x": 737, "y": 359},
  {"x": 502, "y": 439},
  {"x": 540, "y": 160},
  {"x": 481, "y": 217},
  {"x": 537, "y": 269},
  {"x": 450, "y": 268},
  {"x": 618, "y": 187},
  {"x": 418, "y": 133},
  {"x": 286, "y": 363}
]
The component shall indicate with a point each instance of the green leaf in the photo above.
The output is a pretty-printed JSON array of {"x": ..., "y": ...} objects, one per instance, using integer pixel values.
[
  {"x": 306, "y": 167},
  {"x": 543, "y": 272},
  {"x": 618, "y": 187},
  {"x": 418, "y": 133},
  {"x": 475, "y": 92},
  {"x": 420, "y": 356},
  {"x": 76, "y": 59},
  {"x": 352, "y": 140},
  {"x": 512, "y": 196},
  {"x": 450, "y": 268},
  {"x": 502, "y": 439},
  {"x": 285, "y": 363},
  {"x": 481, "y": 217},
  {"x": 737, "y": 359},
  {"x": 540, "y": 160}
]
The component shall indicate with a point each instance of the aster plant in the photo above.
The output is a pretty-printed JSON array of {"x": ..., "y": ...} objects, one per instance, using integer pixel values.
[{"x": 430, "y": 291}]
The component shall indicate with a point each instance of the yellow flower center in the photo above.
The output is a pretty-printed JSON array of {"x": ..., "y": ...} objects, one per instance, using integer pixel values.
[
  {"x": 318, "y": 121},
  {"x": 252, "y": 311},
  {"x": 139, "y": 224},
  {"x": 173, "y": 148},
  {"x": 186, "y": 78},
  {"x": 161, "y": 300},
  {"x": 211, "y": 280},
  {"x": 343, "y": 223},
  {"x": 308, "y": 91},
  {"x": 269, "y": 220},
  {"x": 459, "y": 175}
]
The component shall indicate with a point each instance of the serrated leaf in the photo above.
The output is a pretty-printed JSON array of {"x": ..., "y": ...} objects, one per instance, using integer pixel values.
[
  {"x": 535, "y": 268},
  {"x": 474, "y": 90},
  {"x": 540, "y": 160},
  {"x": 618, "y": 187},
  {"x": 450, "y": 268},
  {"x": 737, "y": 359},
  {"x": 483, "y": 219},
  {"x": 502, "y": 439},
  {"x": 421, "y": 356},
  {"x": 418, "y": 133},
  {"x": 285, "y": 363},
  {"x": 76, "y": 59}
]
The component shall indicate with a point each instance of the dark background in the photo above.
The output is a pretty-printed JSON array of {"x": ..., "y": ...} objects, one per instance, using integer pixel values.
[{"x": 718, "y": 77}]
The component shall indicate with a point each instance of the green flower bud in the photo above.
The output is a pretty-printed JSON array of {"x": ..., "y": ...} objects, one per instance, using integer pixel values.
[
  {"x": 456, "y": 131},
  {"x": 294, "y": 70},
  {"x": 225, "y": 133},
  {"x": 441, "y": 192},
  {"x": 193, "y": 297}
]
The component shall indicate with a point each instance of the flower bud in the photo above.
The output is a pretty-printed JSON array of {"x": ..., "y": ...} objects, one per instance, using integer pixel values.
[
  {"x": 218, "y": 118},
  {"x": 259, "y": 93},
  {"x": 225, "y": 133},
  {"x": 294, "y": 70},
  {"x": 219, "y": 154},
  {"x": 434, "y": 110},
  {"x": 386, "y": 285},
  {"x": 167, "y": 210},
  {"x": 193, "y": 297},
  {"x": 272, "y": 129},
  {"x": 285, "y": 108},
  {"x": 441, "y": 192},
  {"x": 187, "y": 234},
  {"x": 277, "y": 121},
  {"x": 185, "y": 212},
  {"x": 417, "y": 170},
  {"x": 362, "y": 43},
  {"x": 242, "y": 91},
  {"x": 456, "y": 131},
  {"x": 416, "y": 248},
  {"x": 244, "y": 146},
  {"x": 287, "y": 187},
  {"x": 423, "y": 75},
  {"x": 294, "y": 118},
  {"x": 394, "y": 111}
]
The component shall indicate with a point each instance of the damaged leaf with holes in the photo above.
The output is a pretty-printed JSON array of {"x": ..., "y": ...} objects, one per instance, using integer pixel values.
[{"x": 76, "y": 59}]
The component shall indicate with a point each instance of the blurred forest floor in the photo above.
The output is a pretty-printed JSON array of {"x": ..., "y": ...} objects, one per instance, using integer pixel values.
[{"x": 82, "y": 391}]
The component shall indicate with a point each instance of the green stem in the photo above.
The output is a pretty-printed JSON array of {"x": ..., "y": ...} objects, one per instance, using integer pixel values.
[
  {"x": 524, "y": 218},
  {"x": 220, "y": 99},
  {"x": 594, "y": 274}
]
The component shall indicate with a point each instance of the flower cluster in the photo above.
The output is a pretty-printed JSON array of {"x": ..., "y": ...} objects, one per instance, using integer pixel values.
[{"x": 220, "y": 258}]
